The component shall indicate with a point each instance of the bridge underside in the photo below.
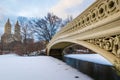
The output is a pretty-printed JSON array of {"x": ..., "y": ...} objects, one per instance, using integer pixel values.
[{"x": 57, "y": 50}]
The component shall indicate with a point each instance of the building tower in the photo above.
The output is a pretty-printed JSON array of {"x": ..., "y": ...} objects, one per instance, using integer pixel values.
[
  {"x": 7, "y": 29},
  {"x": 7, "y": 36},
  {"x": 17, "y": 34}
]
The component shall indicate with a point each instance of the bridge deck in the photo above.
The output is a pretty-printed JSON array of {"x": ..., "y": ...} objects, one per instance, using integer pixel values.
[{"x": 37, "y": 68}]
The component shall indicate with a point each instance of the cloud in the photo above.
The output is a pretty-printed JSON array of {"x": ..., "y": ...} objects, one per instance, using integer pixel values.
[
  {"x": 2, "y": 11},
  {"x": 63, "y": 5},
  {"x": 32, "y": 9},
  {"x": 27, "y": 13},
  {"x": 35, "y": 8}
]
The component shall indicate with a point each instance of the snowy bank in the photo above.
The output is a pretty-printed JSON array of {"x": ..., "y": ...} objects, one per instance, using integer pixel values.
[
  {"x": 13, "y": 67},
  {"x": 95, "y": 58}
]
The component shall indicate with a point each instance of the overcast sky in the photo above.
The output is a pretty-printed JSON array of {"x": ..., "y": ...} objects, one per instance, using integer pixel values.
[{"x": 39, "y": 8}]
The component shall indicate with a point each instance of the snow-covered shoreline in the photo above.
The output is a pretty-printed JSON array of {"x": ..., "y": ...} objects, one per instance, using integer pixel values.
[
  {"x": 95, "y": 58},
  {"x": 13, "y": 67}
]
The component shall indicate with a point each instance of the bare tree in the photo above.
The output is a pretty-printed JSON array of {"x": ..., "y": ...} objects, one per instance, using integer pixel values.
[
  {"x": 26, "y": 28},
  {"x": 67, "y": 20},
  {"x": 26, "y": 32},
  {"x": 46, "y": 27}
]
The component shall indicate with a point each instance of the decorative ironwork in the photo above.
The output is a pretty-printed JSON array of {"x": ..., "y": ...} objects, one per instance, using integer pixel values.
[
  {"x": 117, "y": 65},
  {"x": 100, "y": 10},
  {"x": 111, "y": 44}
]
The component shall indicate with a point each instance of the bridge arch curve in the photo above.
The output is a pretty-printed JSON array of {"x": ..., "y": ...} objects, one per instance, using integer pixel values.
[{"x": 57, "y": 48}]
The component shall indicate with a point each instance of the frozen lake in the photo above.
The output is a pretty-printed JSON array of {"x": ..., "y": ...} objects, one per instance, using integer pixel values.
[{"x": 13, "y": 67}]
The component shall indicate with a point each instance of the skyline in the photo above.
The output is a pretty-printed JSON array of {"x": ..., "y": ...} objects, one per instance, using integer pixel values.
[{"x": 39, "y": 8}]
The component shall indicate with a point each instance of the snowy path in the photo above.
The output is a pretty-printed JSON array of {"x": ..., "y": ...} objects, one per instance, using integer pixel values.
[{"x": 13, "y": 67}]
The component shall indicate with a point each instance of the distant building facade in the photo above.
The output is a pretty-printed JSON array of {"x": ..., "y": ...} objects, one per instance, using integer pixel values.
[{"x": 8, "y": 37}]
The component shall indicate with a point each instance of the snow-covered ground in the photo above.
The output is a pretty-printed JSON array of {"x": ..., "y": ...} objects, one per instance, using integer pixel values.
[
  {"x": 13, "y": 67},
  {"x": 95, "y": 58}
]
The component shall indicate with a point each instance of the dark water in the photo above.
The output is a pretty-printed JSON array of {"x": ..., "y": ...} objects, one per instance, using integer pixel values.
[{"x": 94, "y": 70}]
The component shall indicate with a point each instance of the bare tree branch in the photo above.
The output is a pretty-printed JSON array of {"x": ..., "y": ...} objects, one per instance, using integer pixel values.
[{"x": 46, "y": 27}]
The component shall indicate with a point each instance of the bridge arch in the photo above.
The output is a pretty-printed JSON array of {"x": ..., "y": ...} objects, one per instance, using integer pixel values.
[{"x": 57, "y": 48}]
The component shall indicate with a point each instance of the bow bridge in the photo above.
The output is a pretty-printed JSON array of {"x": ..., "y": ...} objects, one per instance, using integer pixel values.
[{"x": 97, "y": 28}]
